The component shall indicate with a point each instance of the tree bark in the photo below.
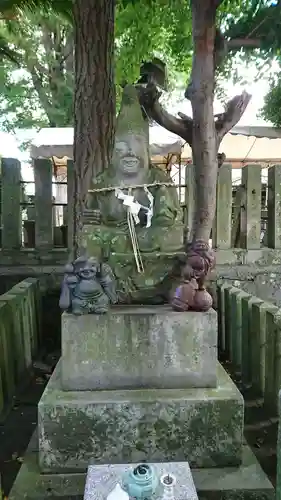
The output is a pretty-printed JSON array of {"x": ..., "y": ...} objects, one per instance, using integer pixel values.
[
  {"x": 204, "y": 133},
  {"x": 204, "y": 140},
  {"x": 94, "y": 97}
]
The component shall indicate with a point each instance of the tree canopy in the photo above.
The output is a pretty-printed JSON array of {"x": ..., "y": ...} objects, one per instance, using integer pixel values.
[
  {"x": 36, "y": 45},
  {"x": 37, "y": 58},
  {"x": 37, "y": 83},
  {"x": 260, "y": 40},
  {"x": 272, "y": 103}
]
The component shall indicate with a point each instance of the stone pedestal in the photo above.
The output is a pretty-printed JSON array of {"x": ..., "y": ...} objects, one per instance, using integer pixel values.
[
  {"x": 143, "y": 384},
  {"x": 201, "y": 426},
  {"x": 139, "y": 347}
]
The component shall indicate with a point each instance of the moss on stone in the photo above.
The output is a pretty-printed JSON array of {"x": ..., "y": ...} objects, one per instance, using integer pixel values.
[{"x": 198, "y": 425}]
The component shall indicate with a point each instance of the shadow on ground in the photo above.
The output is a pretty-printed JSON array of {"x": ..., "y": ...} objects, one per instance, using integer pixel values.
[
  {"x": 19, "y": 425},
  {"x": 260, "y": 431}
]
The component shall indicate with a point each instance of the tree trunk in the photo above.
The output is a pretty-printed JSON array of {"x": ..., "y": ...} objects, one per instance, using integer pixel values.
[
  {"x": 204, "y": 140},
  {"x": 94, "y": 97}
]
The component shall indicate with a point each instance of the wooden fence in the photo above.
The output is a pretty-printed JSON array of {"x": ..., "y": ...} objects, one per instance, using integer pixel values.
[
  {"x": 243, "y": 213},
  {"x": 249, "y": 336},
  {"x": 13, "y": 204},
  {"x": 247, "y": 215},
  {"x": 20, "y": 329}
]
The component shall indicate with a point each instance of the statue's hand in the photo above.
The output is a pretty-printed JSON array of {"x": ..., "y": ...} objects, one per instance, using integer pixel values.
[{"x": 92, "y": 216}]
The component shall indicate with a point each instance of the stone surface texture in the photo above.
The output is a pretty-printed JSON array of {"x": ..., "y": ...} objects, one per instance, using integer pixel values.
[
  {"x": 102, "y": 479},
  {"x": 201, "y": 426},
  {"x": 247, "y": 482},
  {"x": 139, "y": 347}
]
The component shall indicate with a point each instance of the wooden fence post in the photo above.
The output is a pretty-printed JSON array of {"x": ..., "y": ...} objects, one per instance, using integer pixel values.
[
  {"x": 221, "y": 234},
  {"x": 43, "y": 204},
  {"x": 251, "y": 210},
  {"x": 236, "y": 295},
  {"x": 272, "y": 361},
  {"x": 239, "y": 202},
  {"x": 247, "y": 302},
  {"x": 227, "y": 319},
  {"x": 274, "y": 207},
  {"x": 258, "y": 343},
  {"x": 70, "y": 204},
  {"x": 221, "y": 318},
  {"x": 11, "y": 208},
  {"x": 7, "y": 353}
]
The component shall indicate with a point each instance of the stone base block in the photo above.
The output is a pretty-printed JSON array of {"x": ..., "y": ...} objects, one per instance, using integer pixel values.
[
  {"x": 201, "y": 426},
  {"x": 139, "y": 347},
  {"x": 101, "y": 479},
  {"x": 247, "y": 482}
]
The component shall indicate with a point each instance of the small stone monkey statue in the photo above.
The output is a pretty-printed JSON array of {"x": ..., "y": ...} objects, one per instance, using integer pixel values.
[
  {"x": 191, "y": 294},
  {"x": 184, "y": 297}
]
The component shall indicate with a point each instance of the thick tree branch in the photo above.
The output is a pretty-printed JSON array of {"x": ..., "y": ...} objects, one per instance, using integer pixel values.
[
  {"x": 149, "y": 99},
  {"x": 232, "y": 114},
  {"x": 9, "y": 54},
  {"x": 238, "y": 43},
  {"x": 183, "y": 125},
  {"x": 37, "y": 82}
]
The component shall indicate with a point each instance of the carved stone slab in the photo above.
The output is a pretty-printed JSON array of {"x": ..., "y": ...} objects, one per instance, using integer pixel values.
[
  {"x": 139, "y": 347},
  {"x": 101, "y": 479}
]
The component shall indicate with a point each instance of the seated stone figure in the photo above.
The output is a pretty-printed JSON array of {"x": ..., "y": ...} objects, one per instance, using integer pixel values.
[{"x": 139, "y": 247}]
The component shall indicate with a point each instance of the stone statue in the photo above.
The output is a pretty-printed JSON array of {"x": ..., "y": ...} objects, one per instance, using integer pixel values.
[
  {"x": 133, "y": 217},
  {"x": 88, "y": 287},
  {"x": 191, "y": 294},
  {"x": 184, "y": 298}
]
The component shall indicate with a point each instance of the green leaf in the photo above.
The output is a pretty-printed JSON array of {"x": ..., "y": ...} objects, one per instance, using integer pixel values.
[{"x": 36, "y": 49}]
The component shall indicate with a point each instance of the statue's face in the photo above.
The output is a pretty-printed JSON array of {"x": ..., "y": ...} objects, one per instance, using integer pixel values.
[
  {"x": 130, "y": 154},
  {"x": 197, "y": 263},
  {"x": 88, "y": 273}
]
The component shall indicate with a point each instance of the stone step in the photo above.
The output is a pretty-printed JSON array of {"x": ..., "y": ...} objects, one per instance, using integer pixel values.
[
  {"x": 201, "y": 426},
  {"x": 139, "y": 347},
  {"x": 246, "y": 482}
]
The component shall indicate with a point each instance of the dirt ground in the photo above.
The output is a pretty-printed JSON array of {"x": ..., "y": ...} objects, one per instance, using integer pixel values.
[
  {"x": 18, "y": 428},
  {"x": 261, "y": 434},
  {"x": 21, "y": 421}
]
